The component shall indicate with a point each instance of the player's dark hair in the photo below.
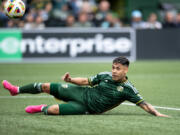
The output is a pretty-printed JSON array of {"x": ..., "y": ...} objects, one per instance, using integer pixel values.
[{"x": 122, "y": 60}]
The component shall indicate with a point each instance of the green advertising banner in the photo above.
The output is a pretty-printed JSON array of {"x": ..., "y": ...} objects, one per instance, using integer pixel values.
[{"x": 10, "y": 45}]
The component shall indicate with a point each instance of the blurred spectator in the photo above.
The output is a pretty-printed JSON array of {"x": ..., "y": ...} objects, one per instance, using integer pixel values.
[
  {"x": 39, "y": 24},
  {"x": 103, "y": 10},
  {"x": 70, "y": 20},
  {"x": 152, "y": 22},
  {"x": 46, "y": 13},
  {"x": 10, "y": 24},
  {"x": 39, "y": 4},
  {"x": 137, "y": 21},
  {"x": 20, "y": 24},
  {"x": 169, "y": 20},
  {"x": 83, "y": 21},
  {"x": 58, "y": 4},
  {"x": 33, "y": 11},
  {"x": 178, "y": 20},
  {"x": 15, "y": 23},
  {"x": 89, "y": 7},
  {"x": 3, "y": 18},
  {"x": 111, "y": 21},
  {"x": 61, "y": 14},
  {"x": 29, "y": 21},
  {"x": 75, "y": 6}
]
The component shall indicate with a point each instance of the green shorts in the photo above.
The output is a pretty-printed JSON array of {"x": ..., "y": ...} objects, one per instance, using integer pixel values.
[{"x": 73, "y": 95}]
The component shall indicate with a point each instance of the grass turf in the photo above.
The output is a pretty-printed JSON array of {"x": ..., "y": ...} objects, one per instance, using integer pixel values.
[{"x": 157, "y": 81}]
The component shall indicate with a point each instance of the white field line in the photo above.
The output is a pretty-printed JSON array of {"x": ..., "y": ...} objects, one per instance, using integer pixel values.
[
  {"x": 8, "y": 97},
  {"x": 129, "y": 104},
  {"x": 159, "y": 107}
]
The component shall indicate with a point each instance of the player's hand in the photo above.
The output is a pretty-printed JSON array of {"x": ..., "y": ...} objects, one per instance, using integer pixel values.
[{"x": 66, "y": 77}]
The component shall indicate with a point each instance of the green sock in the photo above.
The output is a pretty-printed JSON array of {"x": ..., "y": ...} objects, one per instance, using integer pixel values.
[
  {"x": 31, "y": 88},
  {"x": 45, "y": 109}
]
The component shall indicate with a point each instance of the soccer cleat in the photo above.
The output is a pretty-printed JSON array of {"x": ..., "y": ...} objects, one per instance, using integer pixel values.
[
  {"x": 11, "y": 88},
  {"x": 34, "y": 108}
]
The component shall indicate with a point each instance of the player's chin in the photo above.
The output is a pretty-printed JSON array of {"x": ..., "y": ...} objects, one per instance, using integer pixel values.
[{"x": 115, "y": 78}]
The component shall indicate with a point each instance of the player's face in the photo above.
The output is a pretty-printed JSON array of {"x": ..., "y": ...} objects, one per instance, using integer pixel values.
[{"x": 119, "y": 72}]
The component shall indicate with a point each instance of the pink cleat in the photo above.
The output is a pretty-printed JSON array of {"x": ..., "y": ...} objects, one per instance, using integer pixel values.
[
  {"x": 12, "y": 89},
  {"x": 34, "y": 108}
]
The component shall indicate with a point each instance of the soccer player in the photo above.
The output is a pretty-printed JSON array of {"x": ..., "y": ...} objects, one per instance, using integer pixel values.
[{"x": 93, "y": 95}]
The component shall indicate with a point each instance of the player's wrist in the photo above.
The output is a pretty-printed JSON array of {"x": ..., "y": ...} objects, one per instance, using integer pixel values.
[{"x": 69, "y": 79}]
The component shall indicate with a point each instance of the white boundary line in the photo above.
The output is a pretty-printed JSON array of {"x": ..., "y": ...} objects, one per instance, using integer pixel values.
[
  {"x": 129, "y": 104},
  {"x": 159, "y": 107},
  {"x": 8, "y": 97}
]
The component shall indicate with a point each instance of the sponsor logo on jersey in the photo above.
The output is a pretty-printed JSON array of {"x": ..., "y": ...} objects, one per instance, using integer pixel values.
[
  {"x": 120, "y": 88},
  {"x": 64, "y": 85}
]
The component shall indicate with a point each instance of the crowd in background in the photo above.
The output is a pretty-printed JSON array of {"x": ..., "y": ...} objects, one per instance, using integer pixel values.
[
  {"x": 171, "y": 20},
  {"x": 82, "y": 13}
]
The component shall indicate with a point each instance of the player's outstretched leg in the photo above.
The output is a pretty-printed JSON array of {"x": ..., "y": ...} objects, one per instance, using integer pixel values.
[
  {"x": 14, "y": 90},
  {"x": 33, "y": 88}
]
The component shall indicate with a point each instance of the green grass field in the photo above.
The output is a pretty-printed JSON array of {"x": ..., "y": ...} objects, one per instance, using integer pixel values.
[{"x": 157, "y": 81}]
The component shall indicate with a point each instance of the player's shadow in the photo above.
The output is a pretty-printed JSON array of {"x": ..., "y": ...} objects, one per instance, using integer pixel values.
[
  {"x": 103, "y": 114},
  {"x": 124, "y": 114}
]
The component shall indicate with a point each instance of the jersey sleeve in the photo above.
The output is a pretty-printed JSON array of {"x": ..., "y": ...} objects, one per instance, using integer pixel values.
[
  {"x": 94, "y": 80},
  {"x": 134, "y": 97}
]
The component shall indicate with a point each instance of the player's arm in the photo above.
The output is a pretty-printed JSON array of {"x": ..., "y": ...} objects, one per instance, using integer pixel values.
[
  {"x": 150, "y": 109},
  {"x": 79, "y": 81}
]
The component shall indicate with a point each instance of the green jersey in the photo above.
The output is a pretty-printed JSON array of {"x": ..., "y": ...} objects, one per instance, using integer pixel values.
[{"x": 106, "y": 93}]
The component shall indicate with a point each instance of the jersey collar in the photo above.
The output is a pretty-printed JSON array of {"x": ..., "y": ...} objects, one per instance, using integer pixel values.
[{"x": 121, "y": 82}]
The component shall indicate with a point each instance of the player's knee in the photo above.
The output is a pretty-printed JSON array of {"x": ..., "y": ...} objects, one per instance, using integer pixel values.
[
  {"x": 46, "y": 87},
  {"x": 54, "y": 109}
]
